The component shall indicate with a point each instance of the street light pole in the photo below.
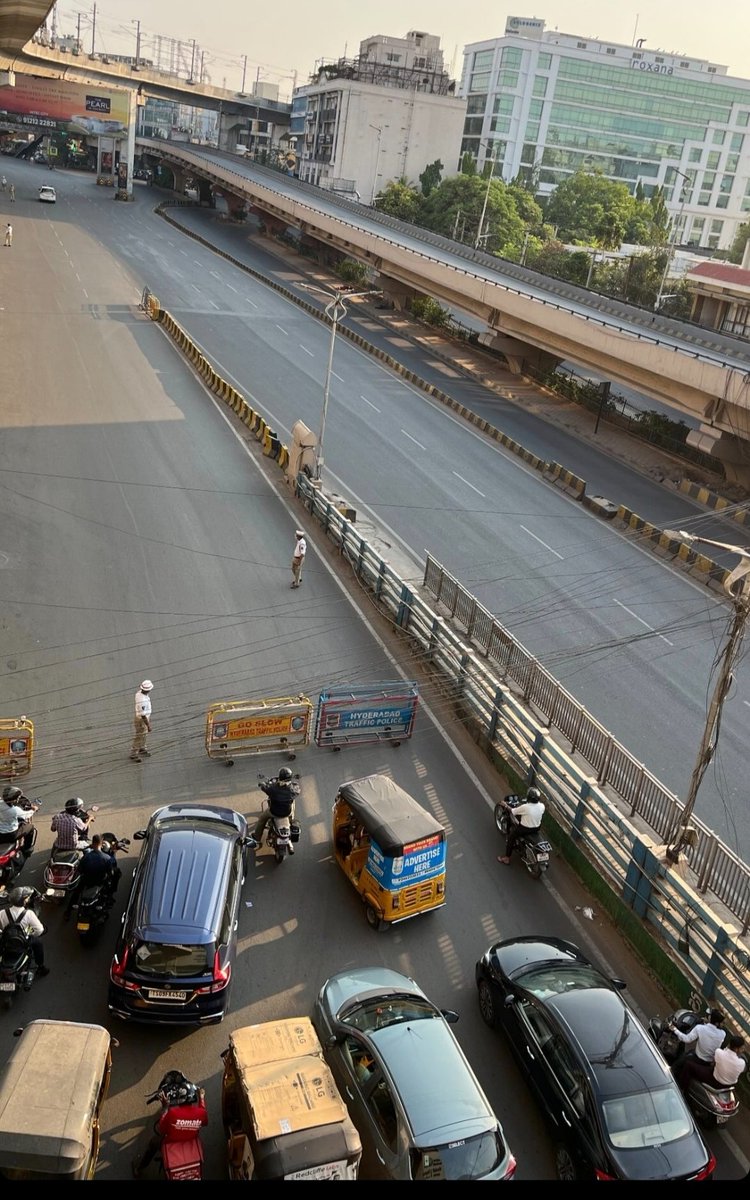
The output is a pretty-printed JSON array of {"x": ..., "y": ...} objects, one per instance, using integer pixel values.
[
  {"x": 335, "y": 310},
  {"x": 379, "y": 132},
  {"x": 137, "y": 43},
  {"x": 740, "y": 596},
  {"x": 244, "y": 73},
  {"x": 672, "y": 239},
  {"x": 478, "y": 238}
]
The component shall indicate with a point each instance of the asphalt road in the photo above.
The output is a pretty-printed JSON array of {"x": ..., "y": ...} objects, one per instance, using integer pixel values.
[
  {"x": 631, "y": 639},
  {"x": 139, "y": 537}
]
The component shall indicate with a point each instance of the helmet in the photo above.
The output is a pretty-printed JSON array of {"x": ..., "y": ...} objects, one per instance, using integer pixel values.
[
  {"x": 11, "y": 794},
  {"x": 105, "y": 848},
  {"x": 147, "y": 685},
  {"x": 20, "y": 896},
  {"x": 533, "y": 794},
  {"x": 74, "y": 805},
  {"x": 177, "y": 1089},
  {"x": 284, "y": 775}
]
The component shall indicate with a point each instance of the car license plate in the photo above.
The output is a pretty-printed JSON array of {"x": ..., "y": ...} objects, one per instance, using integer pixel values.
[
  {"x": 54, "y": 893},
  {"x": 721, "y": 1120},
  {"x": 7, "y": 987},
  {"x": 542, "y": 858},
  {"x": 83, "y": 926},
  {"x": 153, "y": 995}
]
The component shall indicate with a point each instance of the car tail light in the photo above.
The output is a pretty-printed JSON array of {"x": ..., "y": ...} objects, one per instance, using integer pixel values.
[
  {"x": 602, "y": 1175},
  {"x": 222, "y": 976},
  {"x": 511, "y": 1169},
  {"x": 707, "y": 1171},
  {"x": 117, "y": 972}
]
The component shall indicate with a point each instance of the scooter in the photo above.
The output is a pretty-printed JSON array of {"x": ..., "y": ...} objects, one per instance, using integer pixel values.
[
  {"x": 17, "y": 965},
  {"x": 709, "y": 1105},
  {"x": 12, "y": 854},
  {"x": 281, "y": 833},
  {"x": 183, "y": 1159},
  {"x": 62, "y": 872},
  {"x": 533, "y": 848},
  {"x": 95, "y": 903}
]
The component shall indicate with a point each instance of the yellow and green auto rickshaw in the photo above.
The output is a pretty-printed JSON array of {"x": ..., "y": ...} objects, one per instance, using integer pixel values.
[
  {"x": 51, "y": 1092},
  {"x": 390, "y": 848},
  {"x": 282, "y": 1112}
]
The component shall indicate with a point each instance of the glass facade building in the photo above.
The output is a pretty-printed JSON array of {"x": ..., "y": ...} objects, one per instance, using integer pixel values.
[{"x": 544, "y": 104}]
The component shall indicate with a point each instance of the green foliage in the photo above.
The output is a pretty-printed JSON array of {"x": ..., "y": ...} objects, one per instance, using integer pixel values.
[
  {"x": 424, "y": 308},
  {"x": 463, "y": 197},
  {"x": 352, "y": 271},
  {"x": 430, "y": 177},
  {"x": 399, "y": 199},
  {"x": 589, "y": 209},
  {"x": 741, "y": 237},
  {"x": 468, "y": 164},
  {"x": 553, "y": 259}
]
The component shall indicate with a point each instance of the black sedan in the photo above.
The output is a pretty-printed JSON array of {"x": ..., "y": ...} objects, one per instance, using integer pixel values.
[{"x": 613, "y": 1105}]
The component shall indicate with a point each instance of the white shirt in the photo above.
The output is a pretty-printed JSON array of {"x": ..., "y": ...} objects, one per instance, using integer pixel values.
[
  {"x": 11, "y": 817},
  {"x": 27, "y": 919},
  {"x": 728, "y": 1066},
  {"x": 300, "y": 550},
  {"x": 707, "y": 1037},
  {"x": 529, "y": 814},
  {"x": 142, "y": 704}
]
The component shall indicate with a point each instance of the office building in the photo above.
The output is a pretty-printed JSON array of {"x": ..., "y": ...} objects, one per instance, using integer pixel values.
[
  {"x": 383, "y": 115},
  {"x": 545, "y": 104}
]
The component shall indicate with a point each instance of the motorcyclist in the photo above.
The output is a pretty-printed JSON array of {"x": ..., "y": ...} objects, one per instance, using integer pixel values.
[
  {"x": 705, "y": 1038},
  {"x": 282, "y": 792},
  {"x": 183, "y": 1115},
  {"x": 71, "y": 826},
  {"x": 98, "y": 866},
  {"x": 14, "y": 820},
  {"x": 18, "y": 912},
  {"x": 524, "y": 819}
]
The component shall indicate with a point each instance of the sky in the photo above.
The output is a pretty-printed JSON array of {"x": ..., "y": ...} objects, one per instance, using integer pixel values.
[{"x": 279, "y": 41}]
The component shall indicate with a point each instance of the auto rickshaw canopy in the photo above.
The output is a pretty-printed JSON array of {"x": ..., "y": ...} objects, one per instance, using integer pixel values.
[
  {"x": 49, "y": 1093},
  {"x": 390, "y": 815}
]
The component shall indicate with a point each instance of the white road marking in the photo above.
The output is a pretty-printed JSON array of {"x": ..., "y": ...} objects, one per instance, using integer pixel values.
[
  {"x": 232, "y": 289},
  {"x": 306, "y": 350},
  {"x": 637, "y": 618},
  {"x": 471, "y": 485},
  {"x": 215, "y": 275},
  {"x": 747, "y": 702},
  {"x": 251, "y": 302},
  {"x": 413, "y": 439},
  {"x": 370, "y": 403},
  {"x": 541, "y": 543},
  {"x": 195, "y": 285},
  {"x": 214, "y": 304},
  {"x": 281, "y": 327},
  {"x": 335, "y": 376},
  {"x": 87, "y": 296},
  {"x": 185, "y": 253}
]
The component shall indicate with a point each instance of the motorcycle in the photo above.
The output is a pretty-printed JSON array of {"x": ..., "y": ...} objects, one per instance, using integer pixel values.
[
  {"x": 709, "y": 1105},
  {"x": 17, "y": 965},
  {"x": 12, "y": 854},
  {"x": 178, "y": 1159},
  {"x": 62, "y": 872},
  {"x": 281, "y": 834},
  {"x": 94, "y": 903},
  {"x": 533, "y": 848}
]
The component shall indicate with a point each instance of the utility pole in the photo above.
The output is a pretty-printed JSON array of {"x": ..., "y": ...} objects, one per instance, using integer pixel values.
[
  {"x": 673, "y": 239},
  {"x": 192, "y": 64},
  {"x": 244, "y": 73},
  {"x": 478, "y": 238},
  {"x": 737, "y": 585},
  {"x": 78, "y": 31},
  {"x": 137, "y": 43},
  {"x": 93, "y": 33}
]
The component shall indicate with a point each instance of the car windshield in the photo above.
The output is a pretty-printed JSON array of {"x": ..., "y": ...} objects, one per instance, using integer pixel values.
[
  {"x": 473, "y": 1158},
  {"x": 381, "y": 1012},
  {"x": 646, "y": 1118},
  {"x": 555, "y": 979},
  {"x": 158, "y": 958}
]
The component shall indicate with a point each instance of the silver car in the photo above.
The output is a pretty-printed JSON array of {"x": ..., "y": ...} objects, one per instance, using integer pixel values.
[{"x": 415, "y": 1100}]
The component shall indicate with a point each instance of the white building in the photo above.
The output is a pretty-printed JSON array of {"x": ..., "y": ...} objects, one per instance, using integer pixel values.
[
  {"x": 381, "y": 116},
  {"x": 548, "y": 103}
]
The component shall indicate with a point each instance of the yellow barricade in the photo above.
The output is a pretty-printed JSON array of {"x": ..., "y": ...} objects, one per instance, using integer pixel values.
[
  {"x": 236, "y": 728},
  {"x": 16, "y": 746}
]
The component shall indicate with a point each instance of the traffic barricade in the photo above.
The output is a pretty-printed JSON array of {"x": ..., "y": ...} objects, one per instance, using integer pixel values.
[
  {"x": 16, "y": 746},
  {"x": 376, "y": 712},
  {"x": 236, "y": 728}
]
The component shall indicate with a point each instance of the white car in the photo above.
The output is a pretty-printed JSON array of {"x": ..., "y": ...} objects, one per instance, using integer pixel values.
[{"x": 48, "y": 193}]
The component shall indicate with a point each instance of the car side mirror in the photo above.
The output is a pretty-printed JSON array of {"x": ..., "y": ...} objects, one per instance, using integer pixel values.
[
  {"x": 139, "y": 835},
  {"x": 620, "y": 984},
  {"x": 509, "y": 999},
  {"x": 450, "y": 1015}
]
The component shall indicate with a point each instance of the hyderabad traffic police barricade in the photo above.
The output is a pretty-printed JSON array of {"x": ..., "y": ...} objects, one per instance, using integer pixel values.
[
  {"x": 16, "y": 746},
  {"x": 237, "y": 728},
  {"x": 376, "y": 712}
]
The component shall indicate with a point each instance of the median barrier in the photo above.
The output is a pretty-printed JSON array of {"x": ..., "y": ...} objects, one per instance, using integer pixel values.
[{"x": 712, "y": 500}]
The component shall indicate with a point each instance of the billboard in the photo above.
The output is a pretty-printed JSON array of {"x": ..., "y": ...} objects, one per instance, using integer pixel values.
[{"x": 55, "y": 105}]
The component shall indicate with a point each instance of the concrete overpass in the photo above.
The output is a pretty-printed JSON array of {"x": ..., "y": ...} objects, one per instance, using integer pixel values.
[{"x": 530, "y": 318}]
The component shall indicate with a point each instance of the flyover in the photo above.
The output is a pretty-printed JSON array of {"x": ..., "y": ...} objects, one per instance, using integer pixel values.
[{"x": 530, "y": 318}]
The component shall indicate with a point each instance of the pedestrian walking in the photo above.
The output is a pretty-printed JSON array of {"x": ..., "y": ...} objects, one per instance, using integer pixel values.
[
  {"x": 298, "y": 558},
  {"x": 3, "y": 183},
  {"x": 8, "y": 235},
  {"x": 141, "y": 721},
  {"x": 13, "y": 191}
]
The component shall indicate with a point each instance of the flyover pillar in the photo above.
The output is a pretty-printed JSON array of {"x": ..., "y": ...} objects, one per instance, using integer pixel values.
[
  {"x": 518, "y": 354},
  {"x": 394, "y": 290},
  {"x": 731, "y": 451}
]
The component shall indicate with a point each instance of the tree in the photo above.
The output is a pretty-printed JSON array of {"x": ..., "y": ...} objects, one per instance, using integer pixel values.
[
  {"x": 588, "y": 208},
  {"x": 400, "y": 199},
  {"x": 465, "y": 194},
  {"x": 741, "y": 238},
  {"x": 468, "y": 164},
  {"x": 430, "y": 177}
]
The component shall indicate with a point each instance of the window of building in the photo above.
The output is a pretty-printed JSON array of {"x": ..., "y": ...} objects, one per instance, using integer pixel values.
[
  {"x": 709, "y": 179},
  {"x": 737, "y": 141},
  {"x": 544, "y": 62},
  {"x": 711, "y": 70},
  {"x": 535, "y": 110},
  {"x": 504, "y": 105},
  {"x": 636, "y": 55},
  {"x": 696, "y": 231},
  {"x": 719, "y": 137},
  {"x": 532, "y": 131},
  {"x": 476, "y": 104},
  {"x": 480, "y": 82},
  {"x": 712, "y": 160},
  {"x": 745, "y": 205},
  {"x": 483, "y": 60},
  {"x": 470, "y": 146},
  {"x": 528, "y": 154},
  {"x": 727, "y": 183},
  {"x": 717, "y": 226},
  {"x": 610, "y": 50},
  {"x": 584, "y": 46},
  {"x": 473, "y": 126},
  {"x": 732, "y": 162},
  {"x": 500, "y": 125},
  {"x": 743, "y": 118},
  {"x": 695, "y": 154},
  {"x": 540, "y": 85},
  {"x": 722, "y": 201},
  {"x": 704, "y": 199},
  {"x": 658, "y": 59},
  {"x": 393, "y": 58},
  {"x": 511, "y": 56},
  {"x": 686, "y": 65},
  {"x": 507, "y": 79}
]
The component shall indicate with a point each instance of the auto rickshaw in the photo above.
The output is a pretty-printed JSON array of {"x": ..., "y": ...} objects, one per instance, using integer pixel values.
[
  {"x": 282, "y": 1112},
  {"x": 51, "y": 1092},
  {"x": 391, "y": 849}
]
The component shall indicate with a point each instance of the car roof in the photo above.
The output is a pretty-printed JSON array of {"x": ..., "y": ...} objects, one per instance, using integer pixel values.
[
  {"x": 622, "y": 1057},
  {"x": 440, "y": 1095}
]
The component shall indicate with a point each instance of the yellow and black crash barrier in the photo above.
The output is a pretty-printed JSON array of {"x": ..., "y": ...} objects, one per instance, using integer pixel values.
[
  {"x": 16, "y": 746},
  {"x": 235, "y": 728}
]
